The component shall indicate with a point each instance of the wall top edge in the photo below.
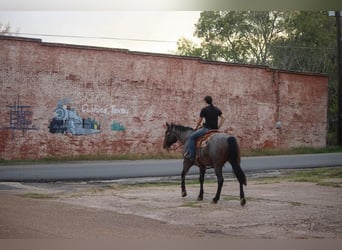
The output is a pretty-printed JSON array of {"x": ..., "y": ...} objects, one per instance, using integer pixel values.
[{"x": 200, "y": 60}]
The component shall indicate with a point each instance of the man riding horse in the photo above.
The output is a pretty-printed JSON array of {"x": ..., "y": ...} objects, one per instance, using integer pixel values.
[{"x": 211, "y": 114}]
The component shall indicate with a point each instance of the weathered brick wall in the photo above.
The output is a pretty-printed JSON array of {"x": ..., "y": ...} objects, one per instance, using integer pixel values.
[{"x": 133, "y": 94}]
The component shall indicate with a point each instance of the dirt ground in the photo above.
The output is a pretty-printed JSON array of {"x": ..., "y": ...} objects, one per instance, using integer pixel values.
[{"x": 281, "y": 209}]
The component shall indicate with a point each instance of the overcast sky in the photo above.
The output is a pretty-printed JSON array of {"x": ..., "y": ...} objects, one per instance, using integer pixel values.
[
  {"x": 124, "y": 23},
  {"x": 150, "y": 31}
]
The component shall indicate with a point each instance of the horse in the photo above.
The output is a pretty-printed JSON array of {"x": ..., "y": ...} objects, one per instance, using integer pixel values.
[{"x": 220, "y": 149}]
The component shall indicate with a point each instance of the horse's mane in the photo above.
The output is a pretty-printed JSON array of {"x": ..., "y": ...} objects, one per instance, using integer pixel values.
[{"x": 181, "y": 128}]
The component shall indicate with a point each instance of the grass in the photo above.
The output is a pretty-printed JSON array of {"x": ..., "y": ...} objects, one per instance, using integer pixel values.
[
  {"x": 96, "y": 157},
  {"x": 252, "y": 199},
  {"x": 173, "y": 155},
  {"x": 291, "y": 151},
  {"x": 38, "y": 196},
  {"x": 143, "y": 185},
  {"x": 230, "y": 198},
  {"x": 328, "y": 176}
]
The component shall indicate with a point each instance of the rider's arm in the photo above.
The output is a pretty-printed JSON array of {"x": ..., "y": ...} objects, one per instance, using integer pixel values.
[
  {"x": 199, "y": 122},
  {"x": 222, "y": 118}
]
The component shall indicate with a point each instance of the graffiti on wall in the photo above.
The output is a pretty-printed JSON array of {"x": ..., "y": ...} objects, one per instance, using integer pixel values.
[
  {"x": 111, "y": 110},
  {"x": 20, "y": 118},
  {"x": 66, "y": 120},
  {"x": 116, "y": 126},
  {"x": 86, "y": 108}
]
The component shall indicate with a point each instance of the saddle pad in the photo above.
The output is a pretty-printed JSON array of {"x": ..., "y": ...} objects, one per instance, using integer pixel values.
[{"x": 202, "y": 141}]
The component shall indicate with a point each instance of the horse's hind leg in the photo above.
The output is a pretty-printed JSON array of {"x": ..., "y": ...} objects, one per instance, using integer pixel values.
[
  {"x": 220, "y": 180},
  {"x": 242, "y": 181},
  {"x": 201, "y": 180}
]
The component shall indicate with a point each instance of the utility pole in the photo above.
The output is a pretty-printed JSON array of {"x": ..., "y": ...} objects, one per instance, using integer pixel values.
[{"x": 339, "y": 65}]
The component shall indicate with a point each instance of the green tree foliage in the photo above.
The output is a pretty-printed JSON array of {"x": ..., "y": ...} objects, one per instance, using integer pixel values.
[
  {"x": 310, "y": 43},
  {"x": 239, "y": 37}
]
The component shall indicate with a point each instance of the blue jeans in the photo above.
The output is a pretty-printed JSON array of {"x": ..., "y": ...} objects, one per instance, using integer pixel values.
[{"x": 191, "y": 144}]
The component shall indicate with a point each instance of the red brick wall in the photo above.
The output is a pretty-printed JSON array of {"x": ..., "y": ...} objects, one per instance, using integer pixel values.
[{"x": 141, "y": 91}]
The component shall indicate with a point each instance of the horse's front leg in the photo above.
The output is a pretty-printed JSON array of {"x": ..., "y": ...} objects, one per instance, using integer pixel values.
[
  {"x": 220, "y": 180},
  {"x": 201, "y": 180},
  {"x": 186, "y": 166},
  {"x": 242, "y": 195}
]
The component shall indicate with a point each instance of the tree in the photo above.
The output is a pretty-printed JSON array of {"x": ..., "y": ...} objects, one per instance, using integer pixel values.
[
  {"x": 5, "y": 29},
  {"x": 188, "y": 48},
  {"x": 240, "y": 37},
  {"x": 310, "y": 43}
]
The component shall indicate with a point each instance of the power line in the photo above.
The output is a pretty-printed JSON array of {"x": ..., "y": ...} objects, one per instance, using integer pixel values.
[
  {"x": 96, "y": 37},
  {"x": 301, "y": 47}
]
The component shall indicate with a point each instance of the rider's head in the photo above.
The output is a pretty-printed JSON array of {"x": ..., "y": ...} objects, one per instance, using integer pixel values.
[{"x": 208, "y": 100}]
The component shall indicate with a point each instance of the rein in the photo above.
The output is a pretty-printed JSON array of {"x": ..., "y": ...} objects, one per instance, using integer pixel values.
[{"x": 177, "y": 147}]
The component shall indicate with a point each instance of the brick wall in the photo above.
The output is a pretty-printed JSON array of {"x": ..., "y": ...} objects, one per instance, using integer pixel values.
[{"x": 132, "y": 94}]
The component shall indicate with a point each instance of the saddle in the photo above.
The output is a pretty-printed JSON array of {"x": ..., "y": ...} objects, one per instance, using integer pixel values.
[{"x": 203, "y": 140}]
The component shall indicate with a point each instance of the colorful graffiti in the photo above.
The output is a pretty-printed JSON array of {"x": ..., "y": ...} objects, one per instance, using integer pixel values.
[
  {"x": 117, "y": 126},
  {"x": 66, "y": 120},
  {"x": 20, "y": 118}
]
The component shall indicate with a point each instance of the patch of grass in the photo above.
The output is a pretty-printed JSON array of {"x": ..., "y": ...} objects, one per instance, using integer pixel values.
[
  {"x": 295, "y": 204},
  {"x": 96, "y": 157},
  {"x": 120, "y": 186},
  {"x": 269, "y": 180},
  {"x": 170, "y": 155},
  {"x": 231, "y": 198},
  {"x": 290, "y": 151},
  {"x": 150, "y": 184},
  {"x": 317, "y": 175},
  {"x": 320, "y": 176},
  {"x": 330, "y": 184},
  {"x": 97, "y": 190},
  {"x": 38, "y": 196}
]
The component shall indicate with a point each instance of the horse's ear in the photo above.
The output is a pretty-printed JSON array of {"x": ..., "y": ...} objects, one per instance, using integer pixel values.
[{"x": 166, "y": 125}]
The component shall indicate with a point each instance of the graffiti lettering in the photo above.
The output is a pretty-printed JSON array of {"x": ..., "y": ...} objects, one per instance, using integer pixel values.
[
  {"x": 19, "y": 116},
  {"x": 93, "y": 109},
  {"x": 122, "y": 111},
  {"x": 101, "y": 110}
]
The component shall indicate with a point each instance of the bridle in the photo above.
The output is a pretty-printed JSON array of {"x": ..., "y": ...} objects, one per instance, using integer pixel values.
[{"x": 172, "y": 133}]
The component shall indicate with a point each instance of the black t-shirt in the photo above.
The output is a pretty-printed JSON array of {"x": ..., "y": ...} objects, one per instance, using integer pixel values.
[{"x": 211, "y": 114}]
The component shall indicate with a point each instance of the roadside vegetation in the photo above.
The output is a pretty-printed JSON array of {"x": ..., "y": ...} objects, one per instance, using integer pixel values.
[
  {"x": 291, "y": 151},
  {"x": 173, "y": 155},
  {"x": 325, "y": 176}
]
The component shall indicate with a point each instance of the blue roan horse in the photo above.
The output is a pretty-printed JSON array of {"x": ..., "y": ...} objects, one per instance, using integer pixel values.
[{"x": 220, "y": 149}]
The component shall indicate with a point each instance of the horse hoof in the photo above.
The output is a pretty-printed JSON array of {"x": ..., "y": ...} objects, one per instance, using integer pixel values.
[
  {"x": 183, "y": 194},
  {"x": 214, "y": 201},
  {"x": 199, "y": 198},
  {"x": 243, "y": 202}
]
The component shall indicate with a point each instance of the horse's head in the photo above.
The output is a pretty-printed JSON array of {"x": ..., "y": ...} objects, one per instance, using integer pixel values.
[{"x": 170, "y": 136}]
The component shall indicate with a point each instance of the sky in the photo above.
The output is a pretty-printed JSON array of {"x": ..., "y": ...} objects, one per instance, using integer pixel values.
[
  {"x": 137, "y": 25},
  {"x": 155, "y": 31}
]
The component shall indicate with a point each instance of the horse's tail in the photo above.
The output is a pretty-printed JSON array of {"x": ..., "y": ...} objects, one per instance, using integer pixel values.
[{"x": 234, "y": 159}]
